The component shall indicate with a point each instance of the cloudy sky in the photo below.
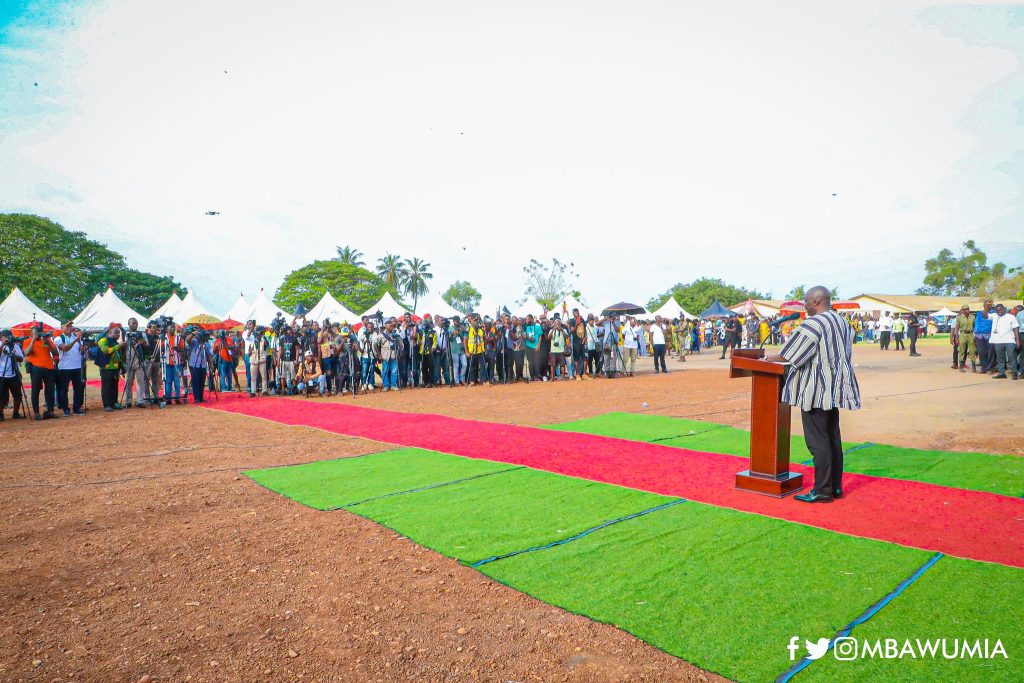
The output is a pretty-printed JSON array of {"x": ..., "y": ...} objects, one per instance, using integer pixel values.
[{"x": 648, "y": 142}]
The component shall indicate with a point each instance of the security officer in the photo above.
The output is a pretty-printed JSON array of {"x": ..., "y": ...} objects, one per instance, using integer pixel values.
[{"x": 964, "y": 325}]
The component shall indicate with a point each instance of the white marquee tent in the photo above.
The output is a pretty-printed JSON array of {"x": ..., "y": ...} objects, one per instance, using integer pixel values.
[
  {"x": 239, "y": 309},
  {"x": 190, "y": 308},
  {"x": 263, "y": 310},
  {"x": 109, "y": 309},
  {"x": 18, "y": 308},
  {"x": 330, "y": 308},
  {"x": 486, "y": 307},
  {"x": 529, "y": 306},
  {"x": 436, "y": 306},
  {"x": 387, "y": 306},
  {"x": 671, "y": 310},
  {"x": 170, "y": 307},
  {"x": 570, "y": 302}
]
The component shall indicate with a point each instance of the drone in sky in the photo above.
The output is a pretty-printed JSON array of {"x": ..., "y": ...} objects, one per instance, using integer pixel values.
[{"x": 213, "y": 213}]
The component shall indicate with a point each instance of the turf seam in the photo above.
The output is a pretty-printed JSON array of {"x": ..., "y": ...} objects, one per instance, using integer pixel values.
[
  {"x": 681, "y": 436},
  {"x": 867, "y": 614},
  {"x": 423, "y": 488},
  {"x": 575, "y": 537},
  {"x": 851, "y": 449}
]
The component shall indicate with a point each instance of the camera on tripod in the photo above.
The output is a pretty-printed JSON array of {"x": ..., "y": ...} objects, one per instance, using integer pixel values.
[
  {"x": 163, "y": 322},
  {"x": 133, "y": 337}
]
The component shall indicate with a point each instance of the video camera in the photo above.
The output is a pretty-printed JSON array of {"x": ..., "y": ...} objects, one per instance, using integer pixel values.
[
  {"x": 277, "y": 323},
  {"x": 202, "y": 335},
  {"x": 133, "y": 337},
  {"x": 163, "y": 322}
]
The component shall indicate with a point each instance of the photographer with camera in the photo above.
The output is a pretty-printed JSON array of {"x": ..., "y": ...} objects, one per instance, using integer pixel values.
[
  {"x": 171, "y": 350},
  {"x": 198, "y": 360},
  {"x": 40, "y": 356},
  {"x": 135, "y": 365},
  {"x": 308, "y": 375},
  {"x": 409, "y": 361},
  {"x": 458, "y": 352},
  {"x": 224, "y": 352},
  {"x": 110, "y": 361},
  {"x": 151, "y": 363},
  {"x": 427, "y": 338},
  {"x": 388, "y": 347},
  {"x": 443, "y": 353},
  {"x": 367, "y": 339},
  {"x": 287, "y": 358},
  {"x": 70, "y": 368},
  {"x": 258, "y": 348},
  {"x": 475, "y": 351},
  {"x": 11, "y": 354}
]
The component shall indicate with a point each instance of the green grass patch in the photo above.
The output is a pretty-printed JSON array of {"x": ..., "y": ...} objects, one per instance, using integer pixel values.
[
  {"x": 976, "y": 471},
  {"x": 511, "y": 511},
  {"x": 722, "y": 589},
  {"x": 330, "y": 484},
  {"x": 1003, "y": 474},
  {"x": 955, "y": 599}
]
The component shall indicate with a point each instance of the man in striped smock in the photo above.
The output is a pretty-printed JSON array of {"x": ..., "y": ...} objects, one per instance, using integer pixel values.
[{"x": 820, "y": 381}]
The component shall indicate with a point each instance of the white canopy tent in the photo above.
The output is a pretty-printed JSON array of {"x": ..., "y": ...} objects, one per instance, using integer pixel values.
[
  {"x": 436, "y": 306},
  {"x": 190, "y": 307},
  {"x": 943, "y": 313},
  {"x": 18, "y": 308},
  {"x": 263, "y": 310},
  {"x": 530, "y": 306},
  {"x": 671, "y": 310},
  {"x": 330, "y": 308},
  {"x": 486, "y": 307},
  {"x": 570, "y": 302},
  {"x": 239, "y": 309},
  {"x": 90, "y": 307},
  {"x": 388, "y": 307},
  {"x": 109, "y": 309},
  {"x": 170, "y": 307}
]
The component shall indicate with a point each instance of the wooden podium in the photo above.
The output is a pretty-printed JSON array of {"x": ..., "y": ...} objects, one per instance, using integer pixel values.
[{"x": 769, "y": 427}]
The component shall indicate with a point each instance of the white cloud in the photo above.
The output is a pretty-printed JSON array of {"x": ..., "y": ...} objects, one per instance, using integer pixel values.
[{"x": 647, "y": 142}]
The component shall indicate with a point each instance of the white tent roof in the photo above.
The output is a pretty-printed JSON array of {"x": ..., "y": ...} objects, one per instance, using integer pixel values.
[
  {"x": 170, "y": 307},
  {"x": 387, "y": 306},
  {"x": 239, "y": 309},
  {"x": 18, "y": 308},
  {"x": 436, "y": 306},
  {"x": 486, "y": 307},
  {"x": 529, "y": 306},
  {"x": 329, "y": 307},
  {"x": 90, "y": 307},
  {"x": 109, "y": 309},
  {"x": 190, "y": 307},
  {"x": 570, "y": 302},
  {"x": 671, "y": 310},
  {"x": 263, "y": 310},
  {"x": 945, "y": 313}
]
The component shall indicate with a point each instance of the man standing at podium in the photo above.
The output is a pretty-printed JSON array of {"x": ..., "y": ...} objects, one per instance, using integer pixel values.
[{"x": 820, "y": 381}]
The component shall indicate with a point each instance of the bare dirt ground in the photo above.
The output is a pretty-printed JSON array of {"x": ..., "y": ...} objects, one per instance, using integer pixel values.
[{"x": 133, "y": 546}]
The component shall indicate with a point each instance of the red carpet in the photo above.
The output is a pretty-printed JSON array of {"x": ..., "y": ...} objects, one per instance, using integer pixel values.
[{"x": 968, "y": 524}]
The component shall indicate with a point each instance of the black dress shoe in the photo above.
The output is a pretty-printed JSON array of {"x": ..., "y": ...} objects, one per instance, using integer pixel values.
[
  {"x": 813, "y": 498},
  {"x": 837, "y": 493}
]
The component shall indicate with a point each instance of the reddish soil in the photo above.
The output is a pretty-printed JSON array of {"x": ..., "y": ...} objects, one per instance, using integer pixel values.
[{"x": 134, "y": 547}]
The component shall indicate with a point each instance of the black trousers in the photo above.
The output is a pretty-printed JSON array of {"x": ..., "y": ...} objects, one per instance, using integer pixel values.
[
  {"x": 477, "y": 368},
  {"x": 986, "y": 354},
  {"x": 46, "y": 380},
  {"x": 821, "y": 432},
  {"x": 11, "y": 386},
  {"x": 517, "y": 362},
  {"x": 427, "y": 370},
  {"x": 198, "y": 383},
  {"x": 898, "y": 338},
  {"x": 108, "y": 386},
  {"x": 77, "y": 384},
  {"x": 883, "y": 340},
  {"x": 913, "y": 342},
  {"x": 659, "y": 357}
]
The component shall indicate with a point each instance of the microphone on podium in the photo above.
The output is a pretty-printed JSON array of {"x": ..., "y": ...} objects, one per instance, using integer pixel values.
[{"x": 785, "y": 319}]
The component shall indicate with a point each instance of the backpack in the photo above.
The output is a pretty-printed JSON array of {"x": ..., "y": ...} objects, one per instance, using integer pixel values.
[{"x": 97, "y": 356}]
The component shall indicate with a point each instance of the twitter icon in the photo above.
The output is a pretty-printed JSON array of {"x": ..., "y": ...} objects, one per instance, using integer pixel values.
[{"x": 816, "y": 650}]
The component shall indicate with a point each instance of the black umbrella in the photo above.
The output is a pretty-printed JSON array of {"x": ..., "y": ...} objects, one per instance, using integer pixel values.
[{"x": 623, "y": 308}]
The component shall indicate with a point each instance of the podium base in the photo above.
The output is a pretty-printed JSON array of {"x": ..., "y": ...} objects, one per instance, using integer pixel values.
[{"x": 776, "y": 487}]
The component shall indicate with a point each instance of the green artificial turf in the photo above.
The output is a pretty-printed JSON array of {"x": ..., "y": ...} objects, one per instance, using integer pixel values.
[
  {"x": 955, "y": 599},
  {"x": 723, "y": 589},
  {"x": 491, "y": 516},
  {"x": 1003, "y": 474},
  {"x": 330, "y": 484},
  {"x": 976, "y": 471}
]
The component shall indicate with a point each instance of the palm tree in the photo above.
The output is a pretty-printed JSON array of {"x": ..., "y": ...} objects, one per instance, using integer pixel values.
[
  {"x": 416, "y": 276},
  {"x": 349, "y": 256},
  {"x": 392, "y": 271}
]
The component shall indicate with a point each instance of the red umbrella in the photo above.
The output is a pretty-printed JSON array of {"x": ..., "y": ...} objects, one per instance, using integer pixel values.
[
  {"x": 25, "y": 329},
  {"x": 845, "y": 305},
  {"x": 231, "y": 324}
]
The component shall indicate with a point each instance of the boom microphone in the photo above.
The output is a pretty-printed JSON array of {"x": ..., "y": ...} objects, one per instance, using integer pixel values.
[{"x": 786, "y": 319}]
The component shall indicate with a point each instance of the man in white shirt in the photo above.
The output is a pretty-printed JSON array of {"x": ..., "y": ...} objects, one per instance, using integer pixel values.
[
  {"x": 1005, "y": 341},
  {"x": 657, "y": 331},
  {"x": 629, "y": 346},
  {"x": 69, "y": 369},
  {"x": 885, "y": 331},
  {"x": 11, "y": 354}
]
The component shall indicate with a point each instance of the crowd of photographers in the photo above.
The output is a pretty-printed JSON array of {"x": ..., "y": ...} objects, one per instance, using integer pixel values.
[{"x": 163, "y": 364}]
